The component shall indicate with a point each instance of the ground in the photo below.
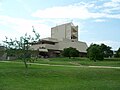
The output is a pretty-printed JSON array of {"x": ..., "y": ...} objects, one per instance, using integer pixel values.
[{"x": 14, "y": 76}]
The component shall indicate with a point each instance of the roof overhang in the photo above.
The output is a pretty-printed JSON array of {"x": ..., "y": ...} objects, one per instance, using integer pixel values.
[{"x": 43, "y": 50}]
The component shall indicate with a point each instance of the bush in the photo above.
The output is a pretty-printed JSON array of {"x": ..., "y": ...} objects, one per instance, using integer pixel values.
[
  {"x": 94, "y": 52},
  {"x": 70, "y": 52}
]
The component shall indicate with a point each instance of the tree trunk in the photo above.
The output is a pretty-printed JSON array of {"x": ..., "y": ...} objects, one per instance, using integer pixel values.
[{"x": 26, "y": 66}]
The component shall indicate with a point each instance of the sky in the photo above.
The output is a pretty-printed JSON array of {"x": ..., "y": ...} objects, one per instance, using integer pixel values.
[{"x": 98, "y": 20}]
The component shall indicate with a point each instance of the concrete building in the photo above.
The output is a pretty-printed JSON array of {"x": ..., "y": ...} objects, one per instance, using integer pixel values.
[
  {"x": 62, "y": 36},
  {"x": 3, "y": 55},
  {"x": 65, "y": 31}
]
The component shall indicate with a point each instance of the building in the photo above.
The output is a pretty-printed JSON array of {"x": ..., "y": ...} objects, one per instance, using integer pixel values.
[
  {"x": 62, "y": 36},
  {"x": 3, "y": 55},
  {"x": 65, "y": 31}
]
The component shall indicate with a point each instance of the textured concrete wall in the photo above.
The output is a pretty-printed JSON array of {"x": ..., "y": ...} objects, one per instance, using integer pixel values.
[
  {"x": 64, "y": 31},
  {"x": 80, "y": 46}
]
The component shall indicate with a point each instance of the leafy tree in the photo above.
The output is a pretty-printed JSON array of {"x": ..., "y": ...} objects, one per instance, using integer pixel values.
[
  {"x": 94, "y": 52},
  {"x": 66, "y": 52},
  {"x": 20, "y": 48},
  {"x": 98, "y": 52},
  {"x": 117, "y": 53},
  {"x": 70, "y": 52},
  {"x": 106, "y": 50},
  {"x": 74, "y": 53}
]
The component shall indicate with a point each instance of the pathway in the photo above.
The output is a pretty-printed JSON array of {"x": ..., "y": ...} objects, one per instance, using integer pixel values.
[{"x": 65, "y": 65}]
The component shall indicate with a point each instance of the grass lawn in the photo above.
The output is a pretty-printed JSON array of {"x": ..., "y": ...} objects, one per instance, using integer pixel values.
[
  {"x": 79, "y": 61},
  {"x": 15, "y": 77}
]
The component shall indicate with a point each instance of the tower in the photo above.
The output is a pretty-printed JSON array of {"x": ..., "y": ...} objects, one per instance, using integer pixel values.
[{"x": 65, "y": 31}]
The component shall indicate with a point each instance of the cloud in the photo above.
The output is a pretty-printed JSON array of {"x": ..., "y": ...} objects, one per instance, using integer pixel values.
[
  {"x": 115, "y": 0},
  {"x": 20, "y": 26},
  {"x": 99, "y": 20},
  {"x": 1, "y": 9},
  {"x": 113, "y": 3},
  {"x": 62, "y": 12},
  {"x": 1, "y": 6},
  {"x": 80, "y": 11},
  {"x": 16, "y": 27},
  {"x": 9, "y": 34},
  {"x": 112, "y": 6},
  {"x": 71, "y": 11}
]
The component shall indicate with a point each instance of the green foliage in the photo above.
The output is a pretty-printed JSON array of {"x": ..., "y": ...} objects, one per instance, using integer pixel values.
[
  {"x": 2, "y": 51},
  {"x": 20, "y": 48},
  {"x": 106, "y": 50},
  {"x": 65, "y": 52},
  {"x": 98, "y": 52},
  {"x": 117, "y": 53},
  {"x": 73, "y": 52},
  {"x": 70, "y": 52},
  {"x": 94, "y": 52}
]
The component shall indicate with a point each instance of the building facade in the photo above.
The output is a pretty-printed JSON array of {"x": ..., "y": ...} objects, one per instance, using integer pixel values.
[
  {"x": 65, "y": 31},
  {"x": 62, "y": 36},
  {"x": 3, "y": 55}
]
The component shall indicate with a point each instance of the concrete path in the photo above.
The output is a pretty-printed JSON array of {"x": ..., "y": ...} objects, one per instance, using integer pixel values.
[{"x": 64, "y": 65}]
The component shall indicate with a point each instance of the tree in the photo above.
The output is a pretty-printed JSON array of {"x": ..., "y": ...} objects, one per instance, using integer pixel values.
[
  {"x": 20, "y": 48},
  {"x": 94, "y": 52},
  {"x": 106, "y": 50},
  {"x": 98, "y": 52},
  {"x": 65, "y": 52},
  {"x": 70, "y": 52},
  {"x": 117, "y": 53}
]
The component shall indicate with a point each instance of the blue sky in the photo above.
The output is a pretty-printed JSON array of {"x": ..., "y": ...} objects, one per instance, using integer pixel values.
[{"x": 98, "y": 20}]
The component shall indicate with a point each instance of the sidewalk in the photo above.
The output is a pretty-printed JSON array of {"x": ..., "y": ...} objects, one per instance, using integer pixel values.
[{"x": 65, "y": 65}]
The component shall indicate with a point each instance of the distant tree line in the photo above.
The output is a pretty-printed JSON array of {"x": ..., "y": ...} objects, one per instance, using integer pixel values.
[
  {"x": 99, "y": 52},
  {"x": 94, "y": 52},
  {"x": 117, "y": 53}
]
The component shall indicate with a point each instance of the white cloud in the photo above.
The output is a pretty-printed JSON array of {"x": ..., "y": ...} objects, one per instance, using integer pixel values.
[
  {"x": 116, "y": 0},
  {"x": 99, "y": 20},
  {"x": 9, "y": 34},
  {"x": 117, "y": 16},
  {"x": 63, "y": 12},
  {"x": 21, "y": 26},
  {"x": 79, "y": 11},
  {"x": 111, "y": 6},
  {"x": 1, "y": 7},
  {"x": 16, "y": 27}
]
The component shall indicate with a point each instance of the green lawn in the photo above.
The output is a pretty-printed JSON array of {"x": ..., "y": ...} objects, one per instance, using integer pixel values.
[
  {"x": 15, "y": 77},
  {"x": 79, "y": 61}
]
